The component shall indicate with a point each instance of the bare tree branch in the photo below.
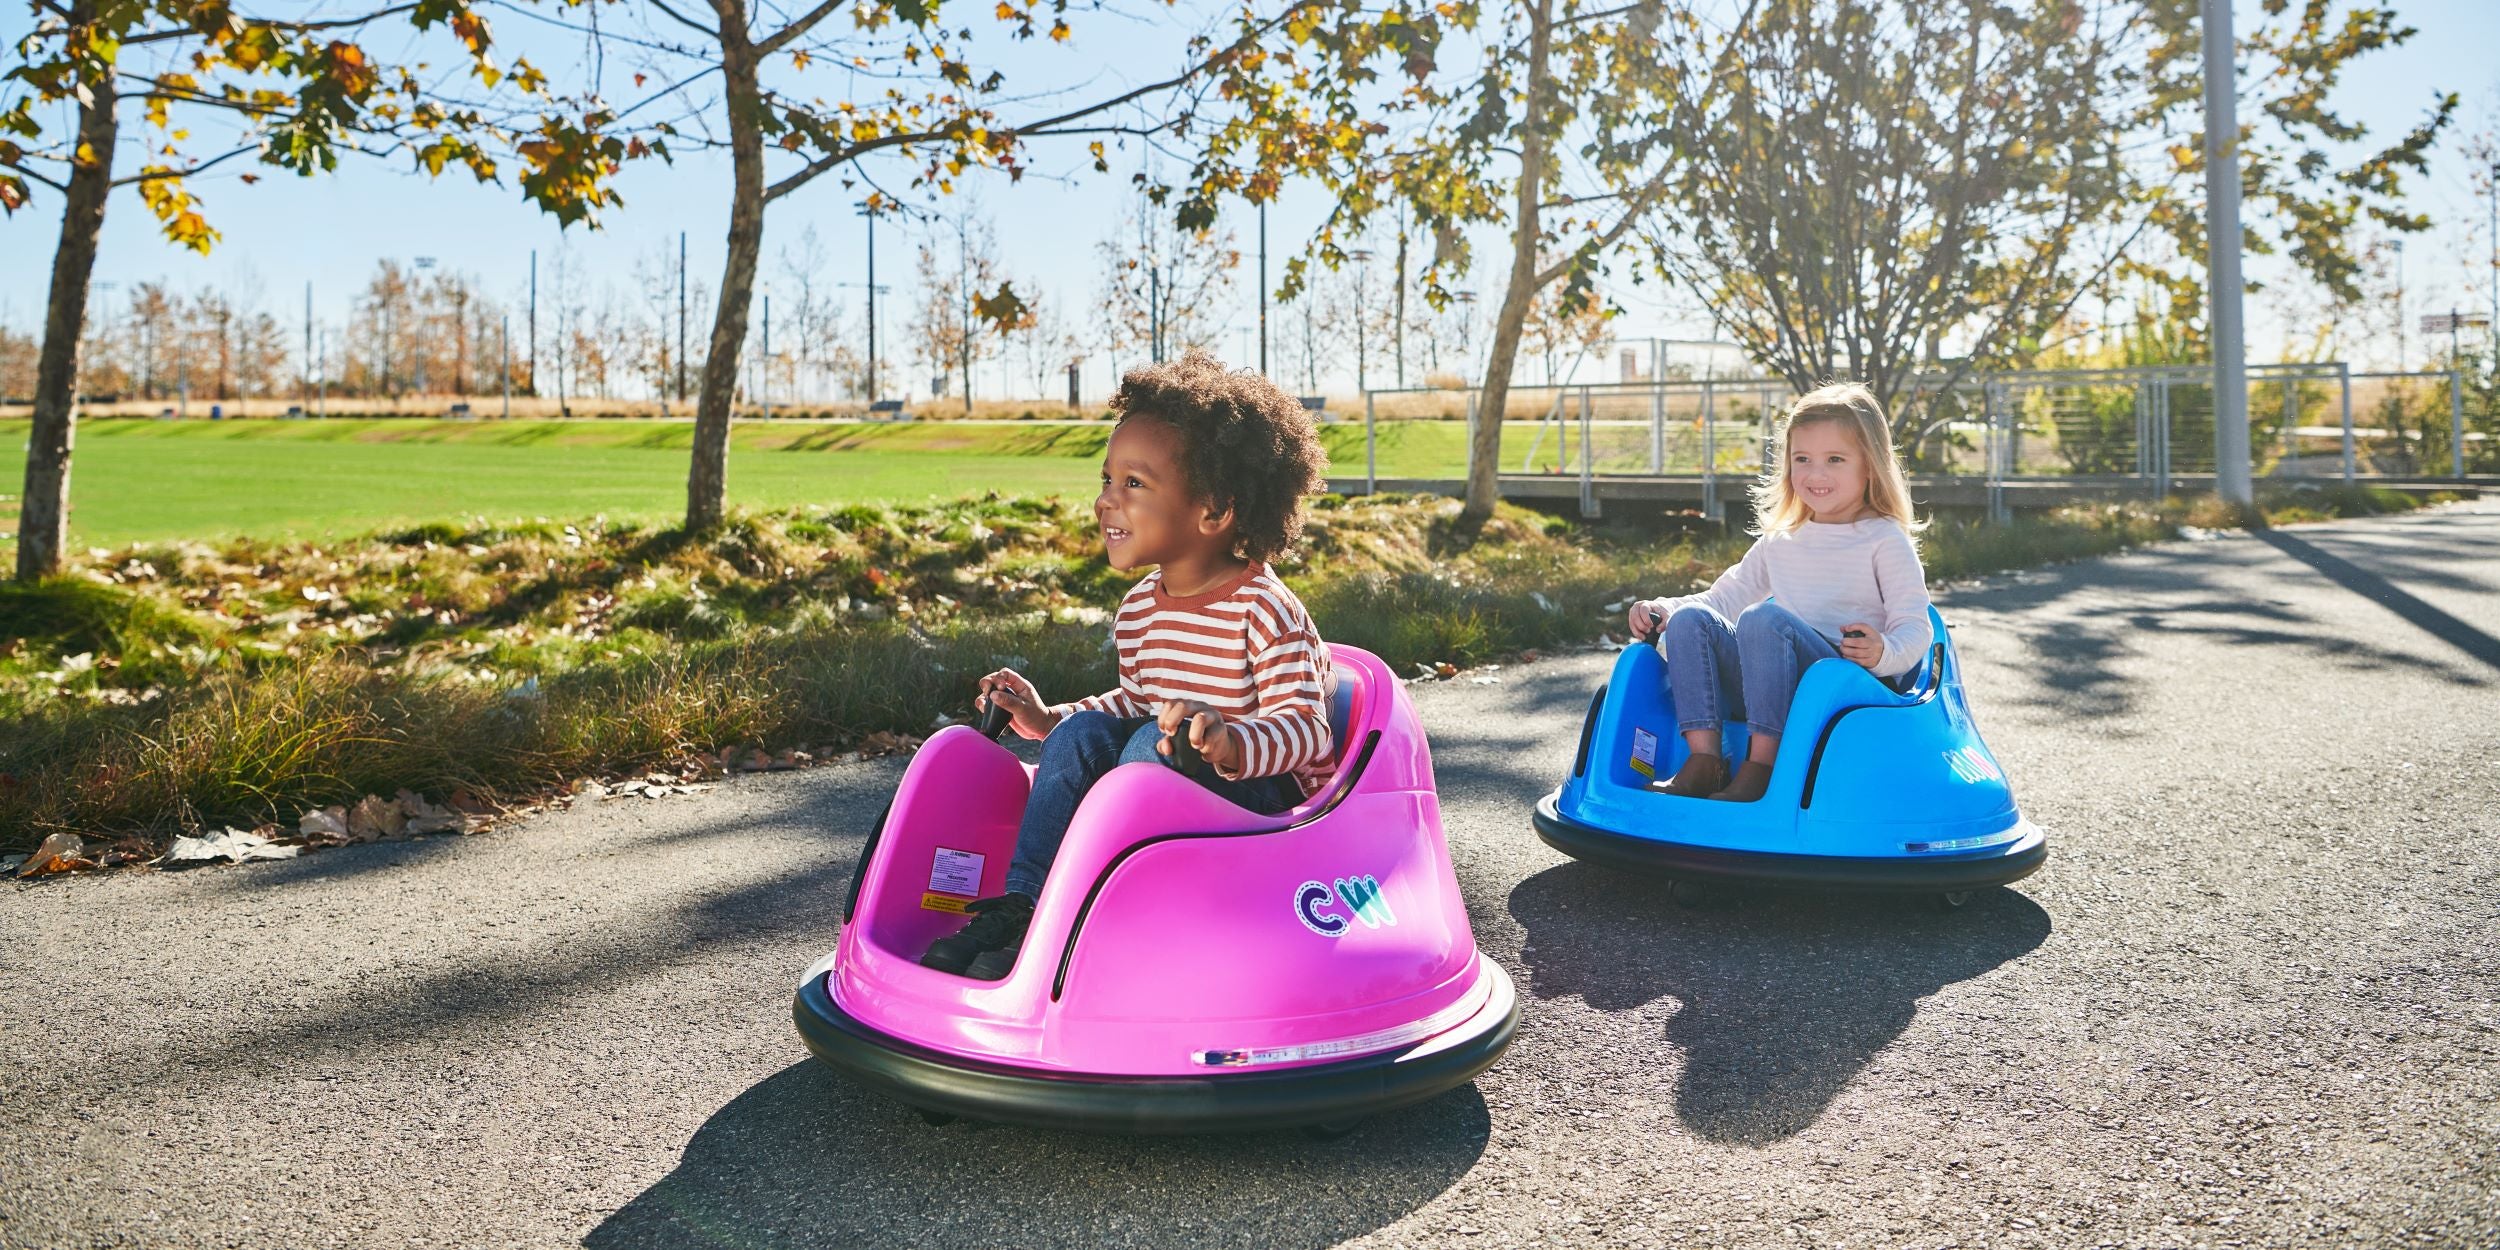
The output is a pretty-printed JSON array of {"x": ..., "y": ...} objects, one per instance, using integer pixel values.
[
  {"x": 29, "y": 172},
  {"x": 293, "y": 28},
  {"x": 685, "y": 21},
  {"x": 806, "y": 21}
]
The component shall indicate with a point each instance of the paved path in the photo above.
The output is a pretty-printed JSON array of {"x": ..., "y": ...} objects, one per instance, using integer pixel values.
[{"x": 2254, "y": 999}]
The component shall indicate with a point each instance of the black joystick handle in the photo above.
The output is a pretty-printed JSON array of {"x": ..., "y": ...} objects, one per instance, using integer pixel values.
[
  {"x": 994, "y": 721},
  {"x": 1653, "y": 623},
  {"x": 1185, "y": 756}
]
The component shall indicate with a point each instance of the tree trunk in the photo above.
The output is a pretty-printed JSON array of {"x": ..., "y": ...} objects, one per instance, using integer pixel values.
[
  {"x": 43, "y": 516},
  {"x": 707, "y": 482},
  {"x": 1485, "y": 441}
]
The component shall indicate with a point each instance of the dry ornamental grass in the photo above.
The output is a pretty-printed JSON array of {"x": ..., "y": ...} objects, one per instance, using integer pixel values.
[{"x": 170, "y": 689}]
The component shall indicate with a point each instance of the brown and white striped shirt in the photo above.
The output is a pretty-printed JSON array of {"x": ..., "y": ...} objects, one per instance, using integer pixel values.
[{"x": 1247, "y": 649}]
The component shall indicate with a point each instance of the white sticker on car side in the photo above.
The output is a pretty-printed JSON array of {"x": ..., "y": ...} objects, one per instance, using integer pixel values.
[{"x": 956, "y": 872}]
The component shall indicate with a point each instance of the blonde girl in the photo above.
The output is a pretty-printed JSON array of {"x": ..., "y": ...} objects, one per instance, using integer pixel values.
[{"x": 1833, "y": 572}]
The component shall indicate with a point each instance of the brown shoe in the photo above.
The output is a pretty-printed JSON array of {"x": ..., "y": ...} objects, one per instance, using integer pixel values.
[
  {"x": 1752, "y": 782},
  {"x": 1700, "y": 775}
]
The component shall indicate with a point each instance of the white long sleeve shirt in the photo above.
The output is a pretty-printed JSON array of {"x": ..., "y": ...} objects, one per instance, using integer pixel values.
[{"x": 1831, "y": 576}]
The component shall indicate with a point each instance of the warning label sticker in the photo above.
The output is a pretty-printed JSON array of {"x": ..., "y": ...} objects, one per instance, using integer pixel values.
[
  {"x": 956, "y": 872},
  {"x": 943, "y": 902},
  {"x": 1644, "y": 753}
]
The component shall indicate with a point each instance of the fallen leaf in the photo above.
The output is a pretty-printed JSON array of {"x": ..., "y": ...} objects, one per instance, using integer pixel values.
[
  {"x": 326, "y": 826},
  {"x": 885, "y": 743},
  {"x": 232, "y": 845},
  {"x": 62, "y": 852},
  {"x": 424, "y": 817},
  {"x": 375, "y": 817}
]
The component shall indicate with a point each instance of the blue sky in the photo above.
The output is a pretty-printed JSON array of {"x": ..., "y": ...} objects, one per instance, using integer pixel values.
[{"x": 284, "y": 232}]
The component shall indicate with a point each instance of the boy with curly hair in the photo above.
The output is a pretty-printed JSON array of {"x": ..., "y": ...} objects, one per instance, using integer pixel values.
[{"x": 1204, "y": 479}]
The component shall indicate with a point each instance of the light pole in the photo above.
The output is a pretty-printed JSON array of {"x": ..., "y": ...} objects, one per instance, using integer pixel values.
[
  {"x": 2495, "y": 268},
  {"x": 2222, "y": 242},
  {"x": 963, "y": 289},
  {"x": 2399, "y": 245},
  {"x": 1263, "y": 283},
  {"x": 1466, "y": 300},
  {"x": 869, "y": 211},
  {"x": 1362, "y": 258},
  {"x": 764, "y": 379},
  {"x": 681, "y": 380}
]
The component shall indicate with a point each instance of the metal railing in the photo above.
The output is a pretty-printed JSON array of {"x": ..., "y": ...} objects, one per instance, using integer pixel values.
[{"x": 2128, "y": 428}]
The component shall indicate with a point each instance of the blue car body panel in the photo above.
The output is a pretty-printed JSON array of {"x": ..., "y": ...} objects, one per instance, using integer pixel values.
[{"x": 1870, "y": 783}]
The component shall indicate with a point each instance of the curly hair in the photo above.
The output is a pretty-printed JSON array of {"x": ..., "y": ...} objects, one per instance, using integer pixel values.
[{"x": 1246, "y": 445}]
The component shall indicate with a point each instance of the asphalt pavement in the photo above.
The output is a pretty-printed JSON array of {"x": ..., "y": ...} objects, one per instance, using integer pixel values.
[{"x": 2253, "y": 999}]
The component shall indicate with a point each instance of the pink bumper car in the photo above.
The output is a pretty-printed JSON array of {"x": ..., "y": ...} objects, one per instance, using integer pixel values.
[{"x": 1191, "y": 966}]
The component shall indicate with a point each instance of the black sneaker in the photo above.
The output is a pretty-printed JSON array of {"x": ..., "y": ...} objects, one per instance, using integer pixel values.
[
  {"x": 995, "y": 965},
  {"x": 996, "y": 923}
]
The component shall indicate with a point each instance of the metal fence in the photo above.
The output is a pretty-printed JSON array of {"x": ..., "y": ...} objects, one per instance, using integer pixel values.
[{"x": 2142, "y": 428}]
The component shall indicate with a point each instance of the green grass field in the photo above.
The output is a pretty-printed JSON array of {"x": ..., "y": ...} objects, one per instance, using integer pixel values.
[{"x": 143, "y": 480}]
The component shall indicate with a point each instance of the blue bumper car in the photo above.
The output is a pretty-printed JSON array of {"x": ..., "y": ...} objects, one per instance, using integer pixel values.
[{"x": 1875, "y": 788}]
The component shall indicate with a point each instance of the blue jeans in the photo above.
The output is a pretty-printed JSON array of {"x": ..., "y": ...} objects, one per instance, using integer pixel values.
[
  {"x": 1077, "y": 754},
  {"x": 1718, "y": 672}
]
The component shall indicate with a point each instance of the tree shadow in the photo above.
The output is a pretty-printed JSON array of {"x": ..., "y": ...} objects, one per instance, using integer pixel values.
[
  {"x": 2080, "y": 633},
  {"x": 1784, "y": 997},
  {"x": 808, "y": 1158},
  {"x": 2421, "y": 615}
]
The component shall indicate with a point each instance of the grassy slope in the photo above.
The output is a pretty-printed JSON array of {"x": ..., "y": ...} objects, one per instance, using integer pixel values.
[{"x": 144, "y": 481}]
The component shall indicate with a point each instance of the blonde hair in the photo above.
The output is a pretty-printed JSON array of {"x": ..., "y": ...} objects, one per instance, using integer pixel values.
[{"x": 1853, "y": 407}]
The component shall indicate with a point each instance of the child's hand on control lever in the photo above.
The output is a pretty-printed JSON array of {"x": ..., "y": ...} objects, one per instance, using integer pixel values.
[
  {"x": 1645, "y": 619},
  {"x": 1862, "y": 645},
  {"x": 1218, "y": 744},
  {"x": 1009, "y": 689}
]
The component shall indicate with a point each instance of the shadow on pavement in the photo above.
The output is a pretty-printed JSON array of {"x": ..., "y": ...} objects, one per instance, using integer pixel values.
[
  {"x": 1784, "y": 997},
  {"x": 806, "y": 1158},
  {"x": 2387, "y": 594}
]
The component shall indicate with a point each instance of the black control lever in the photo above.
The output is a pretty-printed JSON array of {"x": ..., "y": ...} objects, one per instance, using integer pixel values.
[
  {"x": 1185, "y": 756},
  {"x": 994, "y": 721}
]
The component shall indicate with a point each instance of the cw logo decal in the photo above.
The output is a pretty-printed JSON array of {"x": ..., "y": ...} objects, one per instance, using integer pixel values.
[{"x": 1312, "y": 901}]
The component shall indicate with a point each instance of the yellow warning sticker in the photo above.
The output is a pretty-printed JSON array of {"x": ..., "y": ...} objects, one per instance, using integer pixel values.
[
  {"x": 1644, "y": 753},
  {"x": 944, "y": 902}
]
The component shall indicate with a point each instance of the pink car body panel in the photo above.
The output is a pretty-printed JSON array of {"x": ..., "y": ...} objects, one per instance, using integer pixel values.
[{"x": 1338, "y": 922}]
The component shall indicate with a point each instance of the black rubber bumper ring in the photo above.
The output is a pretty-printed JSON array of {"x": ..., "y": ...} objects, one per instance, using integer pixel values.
[
  {"x": 1813, "y": 872},
  {"x": 1215, "y": 1103}
]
